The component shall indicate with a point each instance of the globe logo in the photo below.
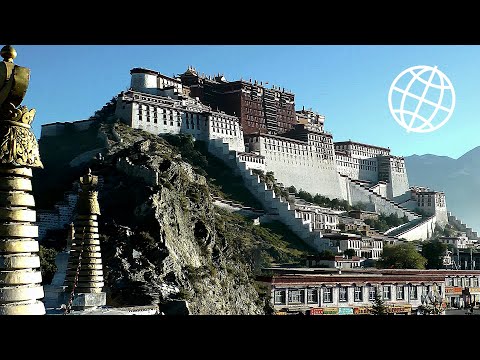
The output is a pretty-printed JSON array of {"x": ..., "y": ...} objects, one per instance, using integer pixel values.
[{"x": 421, "y": 99}]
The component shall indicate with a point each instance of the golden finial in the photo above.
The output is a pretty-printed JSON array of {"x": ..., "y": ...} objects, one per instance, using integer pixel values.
[{"x": 8, "y": 53}]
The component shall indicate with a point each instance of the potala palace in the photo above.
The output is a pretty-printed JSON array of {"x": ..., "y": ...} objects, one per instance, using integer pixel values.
[{"x": 252, "y": 127}]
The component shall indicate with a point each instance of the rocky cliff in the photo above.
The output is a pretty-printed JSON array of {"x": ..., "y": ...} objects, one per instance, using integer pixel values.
[{"x": 163, "y": 240}]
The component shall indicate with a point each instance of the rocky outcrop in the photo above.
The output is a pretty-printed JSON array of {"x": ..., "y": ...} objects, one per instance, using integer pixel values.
[{"x": 160, "y": 240}]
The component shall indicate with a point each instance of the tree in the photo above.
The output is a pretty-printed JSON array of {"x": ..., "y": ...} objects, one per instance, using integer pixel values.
[
  {"x": 349, "y": 253},
  {"x": 433, "y": 251},
  {"x": 292, "y": 189},
  {"x": 305, "y": 196},
  {"x": 401, "y": 256},
  {"x": 326, "y": 255},
  {"x": 47, "y": 264},
  {"x": 378, "y": 307},
  {"x": 359, "y": 206}
]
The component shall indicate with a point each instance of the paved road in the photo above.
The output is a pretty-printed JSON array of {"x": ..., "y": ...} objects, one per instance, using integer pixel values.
[{"x": 462, "y": 312}]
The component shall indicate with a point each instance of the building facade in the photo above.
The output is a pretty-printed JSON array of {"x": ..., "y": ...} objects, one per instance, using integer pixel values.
[
  {"x": 458, "y": 242},
  {"x": 364, "y": 247},
  {"x": 321, "y": 218},
  {"x": 259, "y": 108},
  {"x": 163, "y": 115},
  {"x": 352, "y": 291},
  {"x": 431, "y": 202}
]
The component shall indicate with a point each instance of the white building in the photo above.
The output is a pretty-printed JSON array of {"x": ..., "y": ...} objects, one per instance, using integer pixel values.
[
  {"x": 368, "y": 248},
  {"x": 164, "y": 115},
  {"x": 338, "y": 262},
  {"x": 321, "y": 218},
  {"x": 458, "y": 242},
  {"x": 350, "y": 292}
]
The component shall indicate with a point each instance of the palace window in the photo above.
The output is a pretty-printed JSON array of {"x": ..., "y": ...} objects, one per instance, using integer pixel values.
[
  {"x": 312, "y": 296},
  {"x": 413, "y": 292},
  {"x": 280, "y": 297},
  {"x": 296, "y": 296},
  {"x": 400, "y": 294},
  {"x": 387, "y": 292},
  {"x": 343, "y": 294},
  {"x": 474, "y": 282},
  {"x": 358, "y": 293},
  {"x": 327, "y": 295}
]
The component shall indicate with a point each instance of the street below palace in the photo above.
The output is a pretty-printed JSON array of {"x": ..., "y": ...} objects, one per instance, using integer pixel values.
[{"x": 462, "y": 312}]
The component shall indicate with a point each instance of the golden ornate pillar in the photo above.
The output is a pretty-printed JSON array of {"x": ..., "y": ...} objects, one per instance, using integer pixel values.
[
  {"x": 84, "y": 271},
  {"x": 20, "y": 278}
]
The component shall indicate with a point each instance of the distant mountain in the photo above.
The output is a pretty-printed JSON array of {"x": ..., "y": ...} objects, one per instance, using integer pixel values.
[{"x": 459, "y": 179}]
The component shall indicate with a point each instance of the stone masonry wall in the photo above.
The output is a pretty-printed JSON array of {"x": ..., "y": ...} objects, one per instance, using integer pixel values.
[{"x": 59, "y": 217}]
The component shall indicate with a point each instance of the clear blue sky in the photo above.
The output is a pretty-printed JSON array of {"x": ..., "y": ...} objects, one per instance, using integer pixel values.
[{"x": 348, "y": 84}]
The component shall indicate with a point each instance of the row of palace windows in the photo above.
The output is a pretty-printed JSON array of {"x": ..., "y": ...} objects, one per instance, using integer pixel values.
[
  {"x": 355, "y": 166},
  {"x": 351, "y": 160},
  {"x": 463, "y": 281},
  {"x": 252, "y": 159},
  {"x": 362, "y": 150},
  {"x": 297, "y": 296},
  {"x": 137, "y": 97},
  {"x": 307, "y": 215}
]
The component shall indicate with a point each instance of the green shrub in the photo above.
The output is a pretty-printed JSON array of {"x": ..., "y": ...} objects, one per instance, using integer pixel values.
[{"x": 47, "y": 264}]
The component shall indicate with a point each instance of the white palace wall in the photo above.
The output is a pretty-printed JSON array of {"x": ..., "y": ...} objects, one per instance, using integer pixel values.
[{"x": 294, "y": 163}]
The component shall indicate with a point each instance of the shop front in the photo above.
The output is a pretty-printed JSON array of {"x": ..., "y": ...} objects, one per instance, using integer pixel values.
[
  {"x": 399, "y": 309},
  {"x": 471, "y": 295},
  {"x": 454, "y": 297},
  {"x": 332, "y": 311}
]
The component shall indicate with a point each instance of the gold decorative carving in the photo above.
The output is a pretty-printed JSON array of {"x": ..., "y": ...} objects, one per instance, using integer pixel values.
[{"x": 18, "y": 145}]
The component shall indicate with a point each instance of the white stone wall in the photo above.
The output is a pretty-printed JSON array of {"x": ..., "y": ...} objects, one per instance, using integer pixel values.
[
  {"x": 356, "y": 168},
  {"x": 58, "y": 128},
  {"x": 59, "y": 217},
  {"x": 421, "y": 231},
  {"x": 380, "y": 204},
  {"x": 226, "y": 127},
  {"x": 380, "y": 189},
  {"x": 143, "y": 82},
  {"x": 252, "y": 161},
  {"x": 295, "y": 164}
]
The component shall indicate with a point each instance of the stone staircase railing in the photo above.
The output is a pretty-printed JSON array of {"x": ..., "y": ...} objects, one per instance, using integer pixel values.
[
  {"x": 382, "y": 199},
  {"x": 272, "y": 203},
  {"x": 452, "y": 219}
]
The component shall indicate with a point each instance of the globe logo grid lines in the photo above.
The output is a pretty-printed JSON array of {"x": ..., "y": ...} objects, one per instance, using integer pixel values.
[{"x": 423, "y": 104}]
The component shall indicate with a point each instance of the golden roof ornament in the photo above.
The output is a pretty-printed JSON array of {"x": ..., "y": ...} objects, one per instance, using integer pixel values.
[
  {"x": 8, "y": 53},
  {"x": 18, "y": 145}
]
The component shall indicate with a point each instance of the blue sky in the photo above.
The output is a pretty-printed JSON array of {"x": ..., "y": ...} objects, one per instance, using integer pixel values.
[{"x": 348, "y": 84}]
